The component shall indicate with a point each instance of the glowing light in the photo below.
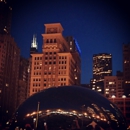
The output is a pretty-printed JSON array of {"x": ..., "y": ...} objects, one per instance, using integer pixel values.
[
  {"x": 77, "y": 46},
  {"x": 34, "y": 42},
  {"x": 123, "y": 96}
]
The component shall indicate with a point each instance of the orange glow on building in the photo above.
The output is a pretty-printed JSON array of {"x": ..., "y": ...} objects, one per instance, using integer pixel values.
[{"x": 56, "y": 65}]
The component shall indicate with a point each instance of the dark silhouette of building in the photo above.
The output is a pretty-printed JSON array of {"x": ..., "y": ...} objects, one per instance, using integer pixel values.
[
  {"x": 9, "y": 71},
  {"x": 5, "y": 17},
  {"x": 76, "y": 53},
  {"x": 23, "y": 80},
  {"x": 126, "y": 68},
  {"x": 9, "y": 63}
]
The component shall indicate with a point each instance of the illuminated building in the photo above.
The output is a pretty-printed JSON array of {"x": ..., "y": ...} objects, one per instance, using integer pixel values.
[
  {"x": 5, "y": 17},
  {"x": 58, "y": 64},
  {"x": 126, "y": 68},
  {"x": 113, "y": 85},
  {"x": 68, "y": 108},
  {"x": 123, "y": 103},
  {"x": 34, "y": 45},
  {"x": 102, "y": 66},
  {"x": 22, "y": 91},
  {"x": 9, "y": 68}
]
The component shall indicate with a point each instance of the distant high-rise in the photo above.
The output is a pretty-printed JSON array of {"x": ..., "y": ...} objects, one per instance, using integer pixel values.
[
  {"x": 126, "y": 67},
  {"x": 34, "y": 45},
  {"x": 5, "y": 17},
  {"x": 113, "y": 86},
  {"x": 76, "y": 53},
  {"x": 102, "y": 66},
  {"x": 56, "y": 65},
  {"x": 9, "y": 71}
]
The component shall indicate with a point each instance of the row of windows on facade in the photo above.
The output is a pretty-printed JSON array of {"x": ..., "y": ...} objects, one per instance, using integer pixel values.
[
  {"x": 38, "y": 84},
  {"x": 60, "y": 57},
  {"x": 49, "y": 79},
  {"x": 51, "y": 41},
  {"x": 49, "y": 68},
  {"x": 110, "y": 83},
  {"x": 38, "y": 90},
  {"x": 38, "y": 67},
  {"x": 60, "y": 62},
  {"x": 113, "y": 85},
  {"x": 38, "y": 58},
  {"x": 59, "y": 84},
  {"x": 49, "y": 73},
  {"x": 46, "y": 53}
]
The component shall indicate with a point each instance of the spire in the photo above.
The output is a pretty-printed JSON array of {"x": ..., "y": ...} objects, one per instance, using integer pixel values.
[{"x": 34, "y": 43}]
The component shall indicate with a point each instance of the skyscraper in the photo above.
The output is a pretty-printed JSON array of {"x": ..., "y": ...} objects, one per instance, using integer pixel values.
[
  {"x": 22, "y": 91},
  {"x": 113, "y": 86},
  {"x": 9, "y": 68},
  {"x": 5, "y": 17},
  {"x": 102, "y": 66},
  {"x": 126, "y": 68},
  {"x": 56, "y": 65},
  {"x": 76, "y": 53},
  {"x": 34, "y": 45},
  {"x": 9, "y": 63}
]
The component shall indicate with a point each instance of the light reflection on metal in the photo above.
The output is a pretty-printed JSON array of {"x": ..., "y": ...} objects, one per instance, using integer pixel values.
[
  {"x": 60, "y": 110},
  {"x": 37, "y": 114}
]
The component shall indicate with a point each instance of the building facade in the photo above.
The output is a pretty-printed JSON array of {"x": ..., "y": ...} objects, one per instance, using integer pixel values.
[
  {"x": 9, "y": 72},
  {"x": 113, "y": 86},
  {"x": 102, "y": 66},
  {"x": 126, "y": 68},
  {"x": 56, "y": 65},
  {"x": 22, "y": 91},
  {"x": 123, "y": 103}
]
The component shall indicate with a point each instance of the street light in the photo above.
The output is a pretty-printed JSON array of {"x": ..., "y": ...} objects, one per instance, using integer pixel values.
[
  {"x": 124, "y": 97},
  {"x": 113, "y": 96}
]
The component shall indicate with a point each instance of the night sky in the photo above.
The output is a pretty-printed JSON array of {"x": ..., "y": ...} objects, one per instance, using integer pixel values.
[{"x": 100, "y": 26}]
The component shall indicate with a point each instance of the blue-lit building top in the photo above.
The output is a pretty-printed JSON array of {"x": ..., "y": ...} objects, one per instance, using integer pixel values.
[
  {"x": 77, "y": 46},
  {"x": 73, "y": 44}
]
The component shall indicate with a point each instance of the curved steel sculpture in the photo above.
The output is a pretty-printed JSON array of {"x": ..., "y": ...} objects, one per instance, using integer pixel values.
[{"x": 68, "y": 108}]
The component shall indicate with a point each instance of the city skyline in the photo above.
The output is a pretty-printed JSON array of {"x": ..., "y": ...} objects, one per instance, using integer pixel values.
[{"x": 91, "y": 23}]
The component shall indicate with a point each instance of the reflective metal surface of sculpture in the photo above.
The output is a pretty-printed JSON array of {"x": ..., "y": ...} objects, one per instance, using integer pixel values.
[{"x": 68, "y": 108}]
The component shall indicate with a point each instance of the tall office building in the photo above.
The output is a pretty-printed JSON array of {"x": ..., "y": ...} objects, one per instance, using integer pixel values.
[
  {"x": 126, "y": 68},
  {"x": 113, "y": 86},
  {"x": 56, "y": 65},
  {"x": 22, "y": 91},
  {"x": 34, "y": 45},
  {"x": 76, "y": 53},
  {"x": 5, "y": 17},
  {"x": 9, "y": 71},
  {"x": 102, "y": 66}
]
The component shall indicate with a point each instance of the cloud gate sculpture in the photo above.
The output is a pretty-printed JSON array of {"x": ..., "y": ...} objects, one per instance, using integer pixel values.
[{"x": 68, "y": 108}]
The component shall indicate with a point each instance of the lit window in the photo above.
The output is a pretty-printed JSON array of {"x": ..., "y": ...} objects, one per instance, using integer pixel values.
[
  {"x": 6, "y": 85},
  {"x": 99, "y": 90},
  {"x": 111, "y": 82},
  {"x": 70, "y": 42},
  {"x": 75, "y": 77}
]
